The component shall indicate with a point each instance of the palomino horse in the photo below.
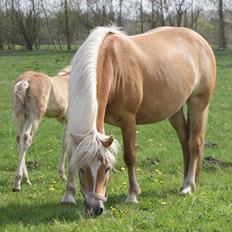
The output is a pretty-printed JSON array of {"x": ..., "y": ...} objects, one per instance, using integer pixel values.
[
  {"x": 129, "y": 80},
  {"x": 36, "y": 95}
]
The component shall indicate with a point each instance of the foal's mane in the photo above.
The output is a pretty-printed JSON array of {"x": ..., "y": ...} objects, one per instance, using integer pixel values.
[{"x": 83, "y": 105}]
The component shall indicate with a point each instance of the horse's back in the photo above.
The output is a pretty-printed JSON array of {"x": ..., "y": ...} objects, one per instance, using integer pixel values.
[{"x": 165, "y": 66}]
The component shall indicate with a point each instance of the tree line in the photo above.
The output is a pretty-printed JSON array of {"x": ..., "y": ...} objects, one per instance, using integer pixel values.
[{"x": 64, "y": 23}]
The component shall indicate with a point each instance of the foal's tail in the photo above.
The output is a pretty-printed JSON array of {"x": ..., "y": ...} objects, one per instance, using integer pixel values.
[
  {"x": 20, "y": 90},
  {"x": 19, "y": 99}
]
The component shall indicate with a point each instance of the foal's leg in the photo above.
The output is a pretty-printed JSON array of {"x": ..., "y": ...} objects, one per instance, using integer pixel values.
[
  {"x": 198, "y": 112},
  {"x": 34, "y": 128},
  {"x": 68, "y": 197},
  {"x": 182, "y": 129},
  {"x": 61, "y": 169},
  {"x": 128, "y": 128},
  {"x": 24, "y": 141}
]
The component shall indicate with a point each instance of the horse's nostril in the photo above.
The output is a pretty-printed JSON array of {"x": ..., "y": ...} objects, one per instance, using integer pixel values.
[{"x": 100, "y": 210}]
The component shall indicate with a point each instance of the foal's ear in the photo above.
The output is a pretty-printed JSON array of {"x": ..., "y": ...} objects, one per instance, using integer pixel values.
[
  {"x": 75, "y": 139},
  {"x": 107, "y": 143}
]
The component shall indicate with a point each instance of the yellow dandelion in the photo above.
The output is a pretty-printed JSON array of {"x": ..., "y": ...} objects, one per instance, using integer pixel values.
[
  {"x": 124, "y": 183},
  {"x": 53, "y": 181},
  {"x": 157, "y": 171},
  {"x": 122, "y": 169},
  {"x": 163, "y": 203},
  {"x": 113, "y": 209},
  {"x": 51, "y": 189}
]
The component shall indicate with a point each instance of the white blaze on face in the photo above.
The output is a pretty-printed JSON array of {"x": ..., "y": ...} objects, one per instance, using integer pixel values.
[{"x": 94, "y": 169}]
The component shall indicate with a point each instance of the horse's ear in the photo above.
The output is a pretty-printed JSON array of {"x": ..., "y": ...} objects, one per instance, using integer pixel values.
[
  {"x": 107, "y": 143},
  {"x": 75, "y": 139}
]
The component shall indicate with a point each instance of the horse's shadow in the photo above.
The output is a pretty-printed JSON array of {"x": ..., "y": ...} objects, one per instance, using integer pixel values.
[
  {"x": 35, "y": 214},
  {"x": 47, "y": 212}
]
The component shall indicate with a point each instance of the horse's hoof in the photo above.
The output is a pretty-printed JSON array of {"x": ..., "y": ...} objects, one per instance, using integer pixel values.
[
  {"x": 68, "y": 200},
  {"x": 131, "y": 199},
  {"x": 15, "y": 190},
  {"x": 186, "y": 191}
]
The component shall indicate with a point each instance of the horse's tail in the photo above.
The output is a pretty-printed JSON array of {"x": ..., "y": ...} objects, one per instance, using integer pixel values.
[{"x": 19, "y": 98}]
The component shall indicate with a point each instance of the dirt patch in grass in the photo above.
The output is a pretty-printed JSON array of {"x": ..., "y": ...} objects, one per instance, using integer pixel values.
[
  {"x": 32, "y": 164},
  {"x": 212, "y": 164}
]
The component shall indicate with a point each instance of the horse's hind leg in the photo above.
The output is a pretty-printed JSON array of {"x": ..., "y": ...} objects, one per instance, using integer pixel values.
[
  {"x": 198, "y": 112},
  {"x": 128, "y": 128},
  {"x": 182, "y": 129}
]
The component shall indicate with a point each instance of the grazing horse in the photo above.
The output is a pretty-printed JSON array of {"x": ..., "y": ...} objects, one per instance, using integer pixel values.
[
  {"x": 128, "y": 80},
  {"x": 36, "y": 95}
]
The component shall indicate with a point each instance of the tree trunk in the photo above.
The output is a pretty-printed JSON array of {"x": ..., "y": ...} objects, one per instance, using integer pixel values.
[
  {"x": 1, "y": 34},
  {"x": 67, "y": 29},
  {"x": 120, "y": 13},
  {"x": 141, "y": 16},
  {"x": 12, "y": 26},
  {"x": 222, "y": 37},
  {"x": 162, "y": 13},
  {"x": 48, "y": 26}
]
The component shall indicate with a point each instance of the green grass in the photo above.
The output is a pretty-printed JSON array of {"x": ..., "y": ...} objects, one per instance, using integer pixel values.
[{"x": 160, "y": 207}]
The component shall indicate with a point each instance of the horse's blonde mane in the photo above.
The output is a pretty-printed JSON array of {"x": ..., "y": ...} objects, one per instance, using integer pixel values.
[{"x": 83, "y": 105}]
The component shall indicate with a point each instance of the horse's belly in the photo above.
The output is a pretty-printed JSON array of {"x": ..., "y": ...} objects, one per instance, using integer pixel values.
[{"x": 155, "y": 109}]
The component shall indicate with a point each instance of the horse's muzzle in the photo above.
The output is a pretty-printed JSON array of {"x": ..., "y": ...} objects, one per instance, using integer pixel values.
[{"x": 93, "y": 208}]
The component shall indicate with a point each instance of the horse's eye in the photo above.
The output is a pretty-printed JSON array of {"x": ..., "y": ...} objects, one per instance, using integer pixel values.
[{"x": 107, "y": 169}]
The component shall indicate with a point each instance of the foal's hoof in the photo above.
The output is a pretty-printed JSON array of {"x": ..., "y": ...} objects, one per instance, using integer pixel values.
[{"x": 27, "y": 181}]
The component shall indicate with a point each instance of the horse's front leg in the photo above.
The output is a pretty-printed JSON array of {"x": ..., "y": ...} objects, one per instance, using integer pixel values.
[
  {"x": 128, "y": 128},
  {"x": 68, "y": 197}
]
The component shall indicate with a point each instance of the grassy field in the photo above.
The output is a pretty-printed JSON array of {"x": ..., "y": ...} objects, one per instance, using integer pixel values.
[{"x": 160, "y": 207}]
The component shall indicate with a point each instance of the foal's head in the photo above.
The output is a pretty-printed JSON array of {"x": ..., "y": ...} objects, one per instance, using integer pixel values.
[{"x": 94, "y": 177}]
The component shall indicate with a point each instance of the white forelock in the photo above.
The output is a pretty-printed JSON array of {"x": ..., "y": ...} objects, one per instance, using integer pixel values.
[
  {"x": 83, "y": 105},
  {"x": 90, "y": 149}
]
